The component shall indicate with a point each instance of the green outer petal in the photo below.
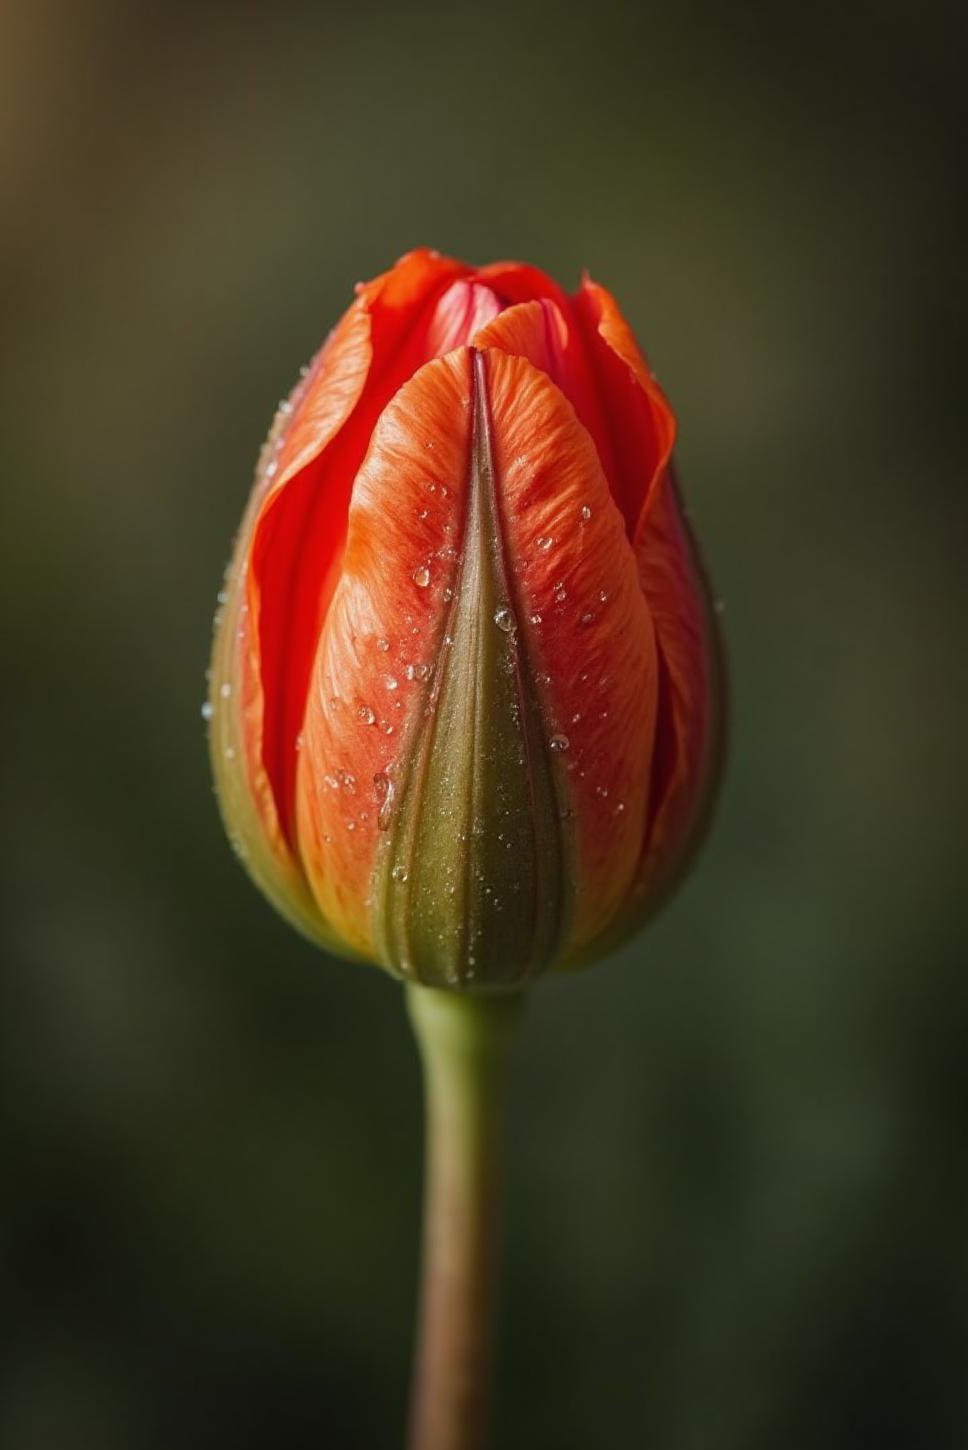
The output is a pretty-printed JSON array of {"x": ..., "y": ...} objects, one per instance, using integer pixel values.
[{"x": 472, "y": 888}]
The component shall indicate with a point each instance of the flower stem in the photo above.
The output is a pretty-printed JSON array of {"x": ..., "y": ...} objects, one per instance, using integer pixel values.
[{"x": 464, "y": 1042}]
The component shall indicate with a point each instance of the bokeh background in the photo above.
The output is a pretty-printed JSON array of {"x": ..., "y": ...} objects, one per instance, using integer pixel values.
[{"x": 737, "y": 1185}]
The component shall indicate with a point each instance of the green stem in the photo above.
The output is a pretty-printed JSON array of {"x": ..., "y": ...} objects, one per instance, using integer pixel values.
[{"x": 464, "y": 1042}]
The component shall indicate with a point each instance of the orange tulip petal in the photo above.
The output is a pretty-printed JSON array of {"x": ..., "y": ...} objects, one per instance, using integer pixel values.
[
  {"x": 586, "y": 625},
  {"x": 381, "y": 635}
]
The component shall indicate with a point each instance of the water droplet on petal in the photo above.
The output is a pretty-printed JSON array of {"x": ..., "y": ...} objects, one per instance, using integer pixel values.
[
  {"x": 385, "y": 796},
  {"x": 225, "y": 690},
  {"x": 366, "y": 714},
  {"x": 586, "y": 513},
  {"x": 504, "y": 619},
  {"x": 421, "y": 576},
  {"x": 383, "y": 644},
  {"x": 559, "y": 742},
  {"x": 348, "y": 781},
  {"x": 400, "y": 873},
  {"x": 390, "y": 681},
  {"x": 536, "y": 619},
  {"x": 207, "y": 710},
  {"x": 544, "y": 542}
]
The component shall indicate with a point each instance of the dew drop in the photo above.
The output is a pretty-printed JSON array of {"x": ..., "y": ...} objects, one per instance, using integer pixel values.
[
  {"x": 331, "y": 781},
  {"x": 504, "y": 619},
  {"x": 366, "y": 714},
  {"x": 390, "y": 681},
  {"x": 222, "y": 597},
  {"x": 421, "y": 576},
  {"x": 536, "y": 619},
  {"x": 351, "y": 825},
  {"x": 207, "y": 710},
  {"x": 400, "y": 873},
  {"x": 383, "y": 644},
  {"x": 560, "y": 593},
  {"x": 348, "y": 781},
  {"x": 448, "y": 594},
  {"x": 385, "y": 796},
  {"x": 225, "y": 690},
  {"x": 544, "y": 542},
  {"x": 559, "y": 742},
  {"x": 586, "y": 513}
]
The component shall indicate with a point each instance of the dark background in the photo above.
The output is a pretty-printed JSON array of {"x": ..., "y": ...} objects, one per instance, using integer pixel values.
[{"x": 738, "y": 1171}]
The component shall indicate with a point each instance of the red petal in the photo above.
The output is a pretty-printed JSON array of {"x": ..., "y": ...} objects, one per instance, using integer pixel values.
[
  {"x": 299, "y": 535},
  {"x": 460, "y": 312},
  {"x": 688, "y": 728},
  {"x": 640, "y": 422},
  {"x": 541, "y": 331}
]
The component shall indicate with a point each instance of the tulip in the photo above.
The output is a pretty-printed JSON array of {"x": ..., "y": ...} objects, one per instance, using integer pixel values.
[
  {"x": 464, "y": 717},
  {"x": 463, "y": 694}
]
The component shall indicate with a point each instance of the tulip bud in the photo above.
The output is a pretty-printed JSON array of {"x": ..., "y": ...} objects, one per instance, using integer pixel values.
[{"x": 464, "y": 705}]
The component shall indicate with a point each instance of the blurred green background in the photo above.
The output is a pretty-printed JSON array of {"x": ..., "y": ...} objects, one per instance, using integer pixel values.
[{"x": 739, "y": 1150}]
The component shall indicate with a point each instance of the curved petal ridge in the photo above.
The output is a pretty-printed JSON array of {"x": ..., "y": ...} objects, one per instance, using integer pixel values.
[{"x": 473, "y": 880}]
